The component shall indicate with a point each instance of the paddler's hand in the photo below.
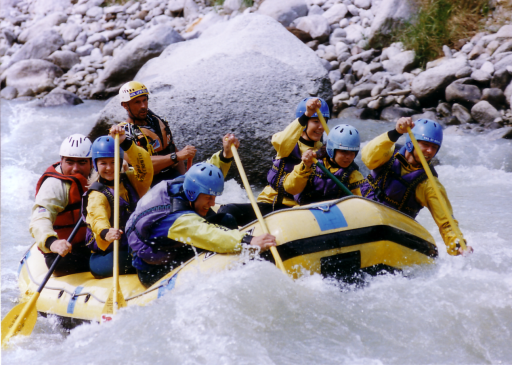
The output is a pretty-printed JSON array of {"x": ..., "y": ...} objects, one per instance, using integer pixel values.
[
  {"x": 118, "y": 129},
  {"x": 227, "y": 141},
  {"x": 307, "y": 157},
  {"x": 264, "y": 242},
  {"x": 61, "y": 247},
  {"x": 311, "y": 106},
  {"x": 113, "y": 234},
  {"x": 186, "y": 153},
  {"x": 403, "y": 123}
]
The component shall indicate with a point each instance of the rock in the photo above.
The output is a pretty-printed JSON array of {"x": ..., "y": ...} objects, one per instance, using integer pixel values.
[
  {"x": 495, "y": 97},
  {"x": 447, "y": 52},
  {"x": 505, "y": 47},
  {"x": 377, "y": 90},
  {"x": 337, "y": 37},
  {"x": 429, "y": 85},
  {"x": 358, "y": 68},
  {"x": 363, "y": 4},
  {"x": 505, "y": 32},
  {"x": 373, "y": 68},
  {"x": 426, "y": 115},
  {"x": 461, "y": 93},
  {"x": 363, "y": 90},
  {"x": 444, "y": 109},
  {"x": 37, "y": 75},
  {"x": 123, "y": 67},
  {"x": 401, "y": 62},
  {"x": 176, "y": 6},
  {"x": 336, "y": 13},
  {"x": 344, "y": 68},
  {"x": 84, "y": 50},
  {"x": 487, "y": 67},
  {"x": 461, "y": 113},
  {"x": 464, "y": 72},
  {"x": 187, "y": 75},
  {"x": 44, "y": 7},
  {"x": 502, "y": 133},
  {"x": 503, "y": 63},
  {"x": 9, "y": 93},
  {"x": 315, "y": 10},
  {"x": 338, "y": 87},
  {"x": 484, "y": 113},
  {"x": 350, "y": 113},
  {"x": 392, "y": 113},
  {"x": 42, "y": 25},
  {"x": 316, "y": 25},
  {"x": 355, "y": 33},
  {"x": 452, "y": 121},
  {"x": 508, "y": 94},
  {"x": 353, "y": 10},
  {"x": 389, "y": 15},
  {"x": 69, "y": 32},
  {"x": 95, "y": 12},
  {"x": 284, "y": 11},
  {"x": 481, "y": 76},
  {"x": 97, "y": 37},
  {"x": 64, "y": 59},
  {"x": 334, "y": 76},
  {"x": 303, "y": 36},
  {"x": 58, "y": 97},
  {"x": 411, "y": 102}
]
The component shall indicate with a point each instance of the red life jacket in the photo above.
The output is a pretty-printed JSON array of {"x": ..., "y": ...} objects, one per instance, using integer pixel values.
[{"x": 68, "y": 218}]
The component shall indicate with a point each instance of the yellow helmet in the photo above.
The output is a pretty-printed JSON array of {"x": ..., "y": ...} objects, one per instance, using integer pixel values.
[{"x": 132, "y": 90}]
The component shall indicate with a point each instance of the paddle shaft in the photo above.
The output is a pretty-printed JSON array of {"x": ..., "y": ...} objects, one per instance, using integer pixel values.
[
  {"x": 336, "y": 181},
  {"x": 189, "y": 163},
  {"x": 322, "y": 120},
  {"x": 436, "y": 190},
  {"x": 273, "y": 250},
  {"x": 116, "y": 221}
]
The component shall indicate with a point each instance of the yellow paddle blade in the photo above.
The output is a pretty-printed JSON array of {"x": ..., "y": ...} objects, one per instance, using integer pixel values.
[
  {"x": 20, "y": 320},
  {"x": 108, "y": 309}
]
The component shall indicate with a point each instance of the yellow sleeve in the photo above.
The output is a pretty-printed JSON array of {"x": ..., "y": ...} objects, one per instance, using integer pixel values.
[
  {"x": 51, "y": 199},
  {"x": 194, "y": 230},
  {"x": 378, "y": 151},
  {"x": 217, "y": 161},
  {"x": 356, "y": 177},
  {"x": 141, "y": 173},
  {"x": 284, "y": 142},
  {"x": 426, "y": 196},
  {"x": 296, "y": 181},
  {"x": 98, "y": 215}
]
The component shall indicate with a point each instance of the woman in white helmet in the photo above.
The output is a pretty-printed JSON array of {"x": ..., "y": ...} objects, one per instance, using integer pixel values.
[
  {"x": 56, "y": 209},
  {"x": 152, "y": 133}
]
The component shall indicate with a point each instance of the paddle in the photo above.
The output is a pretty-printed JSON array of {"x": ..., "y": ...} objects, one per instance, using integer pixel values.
[
  {"x": 189, "y": 163},
  {"x": 273, "y": 250},
  {"x": 22, "y": 318},
  {"x": 322, "y": 120},
  {"x": 336, "y": 181},
  {"x": 436, "y": 190}
]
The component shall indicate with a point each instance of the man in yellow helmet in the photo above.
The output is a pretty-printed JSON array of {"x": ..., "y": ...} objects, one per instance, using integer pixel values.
[{"x": 152, "y": 133}]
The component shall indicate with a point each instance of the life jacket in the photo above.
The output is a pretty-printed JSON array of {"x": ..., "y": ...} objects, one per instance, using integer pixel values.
[
  {"x": 321, "y": 187},
  {"x": 66, "y": 220},
  {"x": 165, "y": 200},
  {"x": 155, "y": 137},
  {"x": 125, "y": 210},
  {"x": 386, "y": 185},
  {"x": 281, "y": 167}
]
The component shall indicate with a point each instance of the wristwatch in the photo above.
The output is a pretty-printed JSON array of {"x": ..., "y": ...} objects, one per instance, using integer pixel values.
[{"x": 174, "y": 157}]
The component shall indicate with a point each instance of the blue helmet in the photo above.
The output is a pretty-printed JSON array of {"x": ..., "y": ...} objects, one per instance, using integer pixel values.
[
  {"x": 203, "y": 178},
  {"x": 425, "y": 130},
  {"x": 104, "y": 147},
  {"x": 343, "y": 137},
  {"x": 301, "y": 109}
]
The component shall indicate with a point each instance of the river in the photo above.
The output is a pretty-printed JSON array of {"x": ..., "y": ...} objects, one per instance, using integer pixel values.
[{"x": 458, "y": 311}]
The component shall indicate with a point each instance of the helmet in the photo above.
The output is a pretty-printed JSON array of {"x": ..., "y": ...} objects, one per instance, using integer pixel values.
[
  {"x": 203, "y": 178},
  {"x": 132, "y": 90},
  {"x": 343, "y": 137},
  {"x": 76, "y": 145},
  {"x": 104, "y": 147},
  {"x": 425, "y": 130},
  {"x": 301, "y": 109}
]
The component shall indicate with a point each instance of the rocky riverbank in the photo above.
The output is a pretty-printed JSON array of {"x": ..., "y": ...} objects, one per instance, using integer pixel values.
[{"x": 65, "y": 51}]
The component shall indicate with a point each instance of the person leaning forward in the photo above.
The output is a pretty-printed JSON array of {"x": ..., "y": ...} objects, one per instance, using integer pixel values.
[
  {"x": 56, "y": 209},
  {"x": 398, "y": 179},
  {"x": 152, "y": 133}
]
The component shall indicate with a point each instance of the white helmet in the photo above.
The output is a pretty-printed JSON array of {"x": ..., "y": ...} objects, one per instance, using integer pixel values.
[{"x": 76, "y": 145}]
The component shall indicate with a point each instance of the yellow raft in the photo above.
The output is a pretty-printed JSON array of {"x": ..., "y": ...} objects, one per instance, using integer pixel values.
[{"x": 339, "y": 239}]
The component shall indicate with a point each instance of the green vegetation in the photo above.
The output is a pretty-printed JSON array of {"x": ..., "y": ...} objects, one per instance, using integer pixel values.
[
  {"x": 441, "y": 22},
  {"x": 245, "y": 3}
]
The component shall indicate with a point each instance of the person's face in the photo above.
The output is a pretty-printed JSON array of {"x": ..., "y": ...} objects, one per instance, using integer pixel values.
[
  {"x": 75, "y": 165},
  {"x": 106, "y": 167},
  {"x": 203, "y": 203},
  {"x": 314, "y": 130},
  {"x": 429, "y": 150},
  {"x": 137, "y": 108},
  {"x": 344, "y": 158}
]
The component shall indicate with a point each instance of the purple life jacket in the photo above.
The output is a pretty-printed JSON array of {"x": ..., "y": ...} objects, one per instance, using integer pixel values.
[
  {"x": 281, "y": 167},
  {"x": 164, "y": 201},
  {"x": 320, "y": 187},
  {"x": 386, "y": 185},
  {"x": 125, "y": 210}
]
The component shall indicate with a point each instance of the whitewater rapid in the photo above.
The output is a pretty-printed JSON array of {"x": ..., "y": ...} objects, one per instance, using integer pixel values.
[{"x": 458, "y": 311}]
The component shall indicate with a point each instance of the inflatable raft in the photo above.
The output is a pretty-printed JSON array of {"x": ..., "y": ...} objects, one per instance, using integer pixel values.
[{"x": 339, "y": 239}]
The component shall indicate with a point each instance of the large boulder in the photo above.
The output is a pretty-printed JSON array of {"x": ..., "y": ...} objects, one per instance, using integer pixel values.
[
  {"x": 37, "y": 75},
  {"x": 462, "y": 93},
  {"x": 42, "y": 25},
  {"x": 125, "y": 64},
  {"x": 428, "y": 86},
  {"x": 284, "y": 11},
  {"x": 484, "y": 113},
  {"x": 58, "y": 97},
  {"x": 316, "y": 25},
  {"x": 64, "y": 59},
  {"x": 45, "y": 7},
  {"x": 393, "y": 113},
  {"x": 390, "y": 15},
  {"x": 401, "y": 62},
  {"x": 245, "y": 76}
]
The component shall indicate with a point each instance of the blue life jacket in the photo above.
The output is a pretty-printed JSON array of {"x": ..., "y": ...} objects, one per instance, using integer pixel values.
[
  {"x": 125, "y": 210},
  {"x": 321, "y": 187},
  {"x": 281, "y": 167},
  {"x": 386, "y": 185},
  {"x": 148, "y": 226}
]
